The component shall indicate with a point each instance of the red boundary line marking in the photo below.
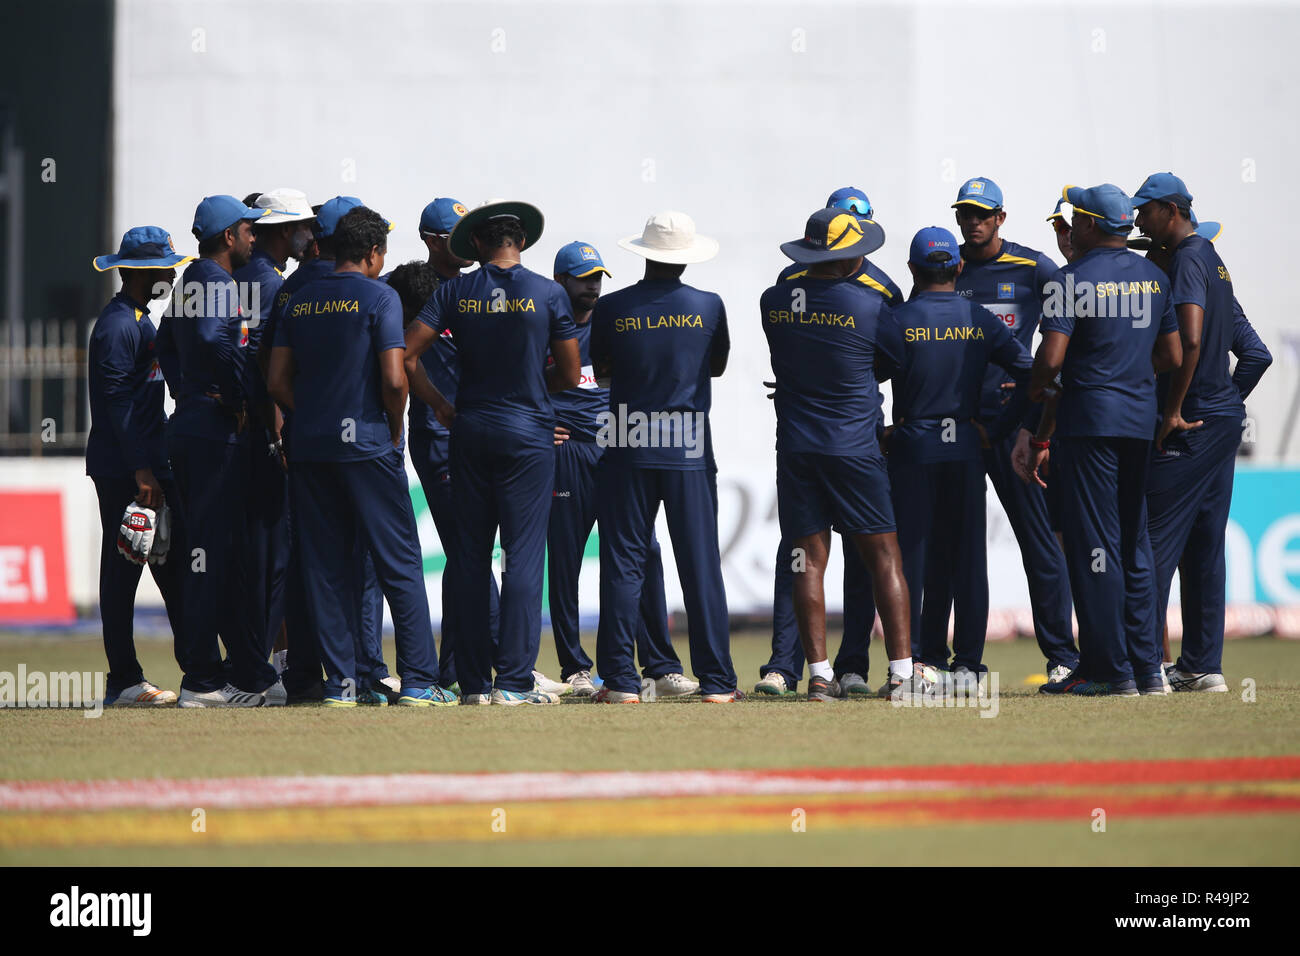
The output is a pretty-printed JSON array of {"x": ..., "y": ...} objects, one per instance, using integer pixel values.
[{"x": 454, "y": 788}]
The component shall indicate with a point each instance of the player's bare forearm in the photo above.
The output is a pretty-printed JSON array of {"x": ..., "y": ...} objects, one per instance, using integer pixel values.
[
  {"x": 1047, "y": 365},
  {"x": 1047, "y": 424},
  {"x": 565, "y": 373},
  {"x": 279, "y": 376},
  {"x": 1190, "y": 320},
  {"x": 392, "y": 377}
]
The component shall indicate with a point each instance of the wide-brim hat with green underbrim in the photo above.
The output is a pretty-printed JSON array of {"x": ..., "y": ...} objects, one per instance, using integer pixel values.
[{"x": 529, "y": 216}]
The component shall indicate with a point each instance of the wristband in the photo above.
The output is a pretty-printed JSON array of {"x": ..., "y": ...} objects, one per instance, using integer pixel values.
[{"x": 1039, "y": 445}]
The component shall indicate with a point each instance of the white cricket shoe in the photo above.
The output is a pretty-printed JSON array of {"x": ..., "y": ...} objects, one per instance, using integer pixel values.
[
  {"x": 476, "y": 700},
  {"x": 514, "y": 698},
  {"x": 544, "y": 685},
  {"x": 773, "y": 685},
  {"x": 144, "y": 694},
  {"x": 1058, "y": 674},
  {"x": 275, "y": 695},
  {"x": 1186, "y": 681},
  {"x": 228, "y": 696},
  {"x": 392, "y": 683},
  {"x": 582, "y": 684},
  {"x": 608, "y": 696},
  {"x": 854, "y": 685},
  {"x": 675, "y": 685}
]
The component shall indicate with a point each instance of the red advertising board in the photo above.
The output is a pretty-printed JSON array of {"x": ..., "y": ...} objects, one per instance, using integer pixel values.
[{"x": 33, "y": 566}]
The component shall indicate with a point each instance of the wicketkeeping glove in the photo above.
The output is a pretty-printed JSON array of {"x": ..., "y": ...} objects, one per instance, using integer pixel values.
[
  {"x": 135, "y": 536},
  {"x": 162, "y": 538}
]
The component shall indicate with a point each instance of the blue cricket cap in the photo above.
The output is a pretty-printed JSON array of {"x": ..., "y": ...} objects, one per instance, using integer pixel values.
[
  {"x": 1163, "y": 187},
  {"x": 852, "y": 199},
  {"x": 1057, "y": 213},
  {"x": 144, "y": 247},
  {"x": 1108, "y": 204},
  {"x": 981, "y": 192},
  {"x": 930, "y": 240},
  {"x": 579, "y": 259},
  {"x": 1207, "y": 230},
  {"x": 440, "y": 216},
  {"x": 327, "y": 220},
  {"x": 218, "y": 213},
  {"x": 833, "y": 233}
]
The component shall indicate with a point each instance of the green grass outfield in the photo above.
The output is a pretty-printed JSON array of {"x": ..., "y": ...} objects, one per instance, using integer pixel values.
[{"x": 51, "y": 744}]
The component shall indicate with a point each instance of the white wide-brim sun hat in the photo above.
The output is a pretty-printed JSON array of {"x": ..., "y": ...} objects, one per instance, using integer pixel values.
[{"x": 670, "y": 237}]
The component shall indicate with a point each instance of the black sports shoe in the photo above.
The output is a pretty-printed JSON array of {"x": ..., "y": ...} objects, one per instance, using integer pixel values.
[{"x": 823, "y": 689}]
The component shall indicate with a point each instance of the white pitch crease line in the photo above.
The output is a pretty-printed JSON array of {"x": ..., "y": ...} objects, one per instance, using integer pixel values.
[{"x": 425, "y": 788}]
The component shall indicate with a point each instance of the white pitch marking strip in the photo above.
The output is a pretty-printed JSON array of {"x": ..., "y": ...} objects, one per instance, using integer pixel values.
[{"x": 424, "y": 788}]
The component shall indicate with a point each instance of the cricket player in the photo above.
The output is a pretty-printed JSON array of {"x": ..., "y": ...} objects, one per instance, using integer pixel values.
[
  {"x": 660, "y": 342},
  {"x": 280, "y": 234},
  {"x": 936, "y": 469},
  {"x": 1108, "y": 327},
  {"x": 365, "y": 608},
  {"x": 780, "y": 676},
  {"x": 430, "y": 442},
  {"x": 1189, "y": 488},
  {"x": 502, "y": 317},
  {"x": 1253, "y": 360},
  {"x": 206, "y": 341},
  {"x": 126, "y": 453},
  {"x": 579, "y": 268},
  {"x": 1007, "y": 279},
  {"x": 823, "y": 336},
  {"x": 337, "y": 364}
]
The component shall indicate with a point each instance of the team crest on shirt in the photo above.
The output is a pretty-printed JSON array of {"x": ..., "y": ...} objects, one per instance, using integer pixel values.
[
  {"x": 155, "y": 373},
  {"x": 1006, "y": 290},
  {"x": 243, "y": 335}
]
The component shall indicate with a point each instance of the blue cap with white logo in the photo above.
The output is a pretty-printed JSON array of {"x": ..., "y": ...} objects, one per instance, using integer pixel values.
[
  {"x": 580, "y": 260},
  {"x": 327, "y": 220},
  {"x": 1163, "y": 187},
  {"x": 852, "y": 199},
  {"x": 440, "y": 217},
  {"x": 144, "y": 247},
  {"x": 931, "y": 240},
  {"x": 981, "y": 192},
  {"x": 218, "y": 213},
  {"x": 1107, "y": 203}
]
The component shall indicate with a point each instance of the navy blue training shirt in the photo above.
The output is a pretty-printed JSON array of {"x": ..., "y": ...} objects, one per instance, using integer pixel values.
[
  {"x": 1109, "y": 385},
  {"x": 947, "y": 344},
  {"x": 578, "y": 408},
  {"x": 502, "y": 322},
  {"x": 1253, "y": 356},
  {"x": 262, "y": 278},
  {"x": 337, "y": 326},
  {"x": 1010, "y": 285},
  {"x": 658, "y": 338},
  {"x": 206, "y": 340},
  {"x": 824, "y": 355},
  {"x": 127, "y": 422},
  {"x": 1199, "y": 277},
  {"x": 442, "y": 366}
]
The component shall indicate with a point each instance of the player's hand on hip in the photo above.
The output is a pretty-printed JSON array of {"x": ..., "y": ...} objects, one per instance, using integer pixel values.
[
  {"x": 1007, "y": 389},
  {"x": 445, "y": 413},
  {"x": 561, "y": 434},
  {"x": 1171, "y": 424},
  {"x": 772, "y": 386}
]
